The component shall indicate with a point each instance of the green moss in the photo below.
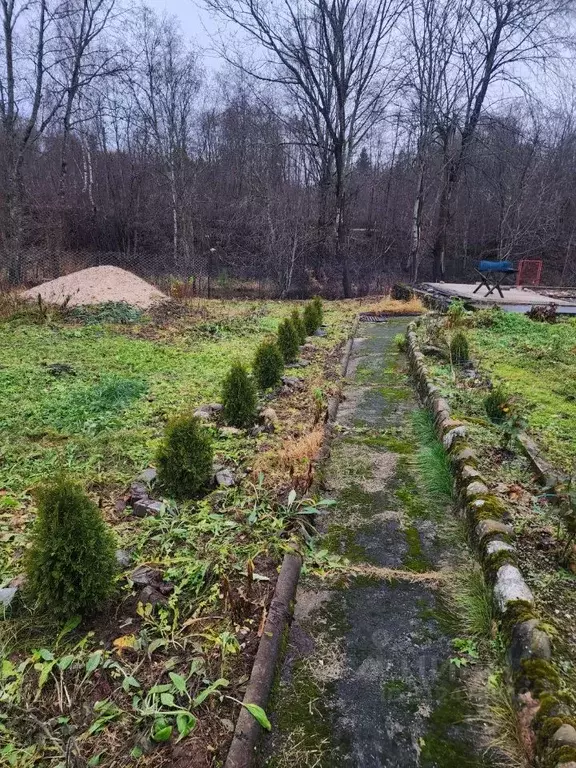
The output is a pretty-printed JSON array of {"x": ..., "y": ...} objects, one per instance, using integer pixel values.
[
  {"x": 441, "y": 745},
  {"x": 492, "y": 508},
  {"x": 517, "y": 611},
  {"x": 394, "y": 688},
  {"x": 538, "y": 676},
  {"x": 415, "y": 560},
  {"x": 411, "y": 501},
  {"x": 497, "y": 559},
  {"x": 354, "y": 497},
  {"x": 562, "y": 755},
  {"x": 390, "y": 442},
  {"x": 295, "y": 703},
  {"x": 342, "y": 541},
  {"x": 395, "y": 394}
]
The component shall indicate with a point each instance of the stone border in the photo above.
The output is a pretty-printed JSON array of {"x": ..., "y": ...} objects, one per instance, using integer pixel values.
[
  {"x": 529, "y": 650},
  {"x": 247, "y": 732}
]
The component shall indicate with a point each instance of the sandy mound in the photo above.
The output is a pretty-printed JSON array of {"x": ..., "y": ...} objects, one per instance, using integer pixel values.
[{"x": 98, "y": 285}]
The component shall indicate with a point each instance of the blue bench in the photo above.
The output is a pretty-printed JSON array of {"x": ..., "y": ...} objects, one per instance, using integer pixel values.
[{"x": 492, "y": 274}]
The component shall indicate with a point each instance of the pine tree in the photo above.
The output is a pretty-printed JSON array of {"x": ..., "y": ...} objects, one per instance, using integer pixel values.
[{"x": 317, "y": 302}]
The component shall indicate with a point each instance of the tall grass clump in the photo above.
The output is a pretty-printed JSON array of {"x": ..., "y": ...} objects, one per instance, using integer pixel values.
[
  {"x": 71, "y": 565},
  {"x": 268, "y": 365},
  {"x": 496, "y": 405},
  {"x": 288, "y": 340},
  {"x": 184, "y": 458},
  {"x": 298, "y": 323},
  {"x": 239, "y": 397},
  {"x": 467, "y": 608},
  {"x": 432, "y": 462}
]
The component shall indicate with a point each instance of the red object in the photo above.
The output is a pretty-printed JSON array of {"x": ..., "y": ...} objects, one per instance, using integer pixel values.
[{"x": 529, "y": 272}]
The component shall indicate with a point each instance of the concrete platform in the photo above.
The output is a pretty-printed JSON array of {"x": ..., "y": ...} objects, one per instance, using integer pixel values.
[{"x": 515, "y": 299}]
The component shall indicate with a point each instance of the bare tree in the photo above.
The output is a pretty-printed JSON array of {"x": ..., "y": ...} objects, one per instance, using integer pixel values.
[
  {"x": 495, "y": 38},
  {"x": 25, "y": 109},
  {"x": 331, "y": 59},
  {"x": 164, "y": 82}
]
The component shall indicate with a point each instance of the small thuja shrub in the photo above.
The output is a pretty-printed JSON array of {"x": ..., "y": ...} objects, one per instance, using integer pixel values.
[
  {"x": 268, "y": 365},
  {"x": 299, "y": 325},
  {"x": 497, "y": 405},
  {"x": 288, "y": 340},
  {"x": 239, "y": 397},
  {"x": 317, "y": 302},
  {"x": 459, "y": 352},
  {"x": 71, "y": 564},
  {"x": 310, "y": 318},
  {"x": 184, "y": 458}
]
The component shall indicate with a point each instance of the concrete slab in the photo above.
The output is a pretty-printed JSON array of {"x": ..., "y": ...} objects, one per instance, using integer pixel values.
[{"x": 515, "y": 299}]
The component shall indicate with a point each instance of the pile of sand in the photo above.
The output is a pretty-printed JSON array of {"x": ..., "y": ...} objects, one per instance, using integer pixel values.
[{"x": 98, "y": 285}]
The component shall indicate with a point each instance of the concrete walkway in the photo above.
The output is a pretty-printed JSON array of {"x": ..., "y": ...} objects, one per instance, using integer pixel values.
[{"x": 367, "y": 681}]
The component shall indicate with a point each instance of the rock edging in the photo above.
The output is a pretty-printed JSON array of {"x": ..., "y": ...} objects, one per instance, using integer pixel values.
[{"x": 529, "y": 648}]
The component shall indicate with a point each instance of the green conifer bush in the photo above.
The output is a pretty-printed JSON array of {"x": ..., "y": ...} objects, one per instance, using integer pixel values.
[
  {"x": 239, "y": 397},
  {"x": 317, "y": 302},
  {"x": 184, "y": 458},
  {"x": 288, "y": 340},
  {"x": 497, "y": 405},
  {"x": 268, "y": 365},
  {"x": 459, "y": 351},
  {"x": 71, "y": 565},
  {"x": 299, "y": 325},
  {"x": 310, "y": 318}
]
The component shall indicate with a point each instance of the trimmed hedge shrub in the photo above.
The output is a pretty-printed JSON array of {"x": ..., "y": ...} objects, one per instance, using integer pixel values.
[
  {"x": 184, "y": 458},
  {"x": 288, "y": 342},
  {"x": 71, "y": 565},
  {"x": 239, "y": 397},
  {"x": 310, "y": 318},
  {"x": 268, "y": 365},
  {"x": 299, "y": 325},
  {"x": 459, "y": 351}
]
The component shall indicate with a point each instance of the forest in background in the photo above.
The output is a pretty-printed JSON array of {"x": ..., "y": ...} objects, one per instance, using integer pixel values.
[{"x": 341, "y": 145}]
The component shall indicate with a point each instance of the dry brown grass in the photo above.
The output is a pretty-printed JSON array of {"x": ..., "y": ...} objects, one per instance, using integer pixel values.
[
  {"x": 395, "y": 574},
  {"x": 391, "y": 306},
  {"x": 295, "y": 455}
]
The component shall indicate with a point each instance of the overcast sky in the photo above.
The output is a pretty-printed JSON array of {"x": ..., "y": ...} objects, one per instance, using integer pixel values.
[{"x": 197, "y": 23}]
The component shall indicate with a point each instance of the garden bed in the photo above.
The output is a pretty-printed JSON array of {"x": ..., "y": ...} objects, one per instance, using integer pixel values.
[
  {"x": 89, "y": 391},
  {"x": 528, "y": 363}
]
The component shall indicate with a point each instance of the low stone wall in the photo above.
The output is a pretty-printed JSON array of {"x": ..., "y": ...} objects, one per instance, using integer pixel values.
[{"x": 529, "y": 649}]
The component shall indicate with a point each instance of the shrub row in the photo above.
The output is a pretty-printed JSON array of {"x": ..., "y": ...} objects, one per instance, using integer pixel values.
[{"x": 71, "y": 565}]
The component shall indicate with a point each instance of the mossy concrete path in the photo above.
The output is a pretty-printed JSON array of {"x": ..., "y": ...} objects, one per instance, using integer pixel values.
[{"x": 366, "y": 680}]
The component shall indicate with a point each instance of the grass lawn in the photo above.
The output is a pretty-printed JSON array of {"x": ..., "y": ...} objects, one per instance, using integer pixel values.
[{"x": 537, "y": 362}]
